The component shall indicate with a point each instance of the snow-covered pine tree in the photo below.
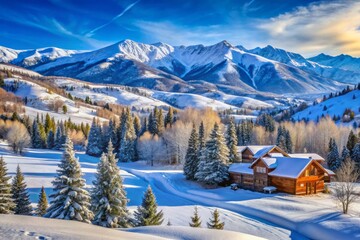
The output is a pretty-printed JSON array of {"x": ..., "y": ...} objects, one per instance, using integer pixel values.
[
  {"x": 147, "y": 214},
  {"x": 50, "y": 143},
  {"x": 345, "y": 153},
  {"x": 195, "y": 219},
  {"x": 127, "y": 151},
  {"x": 333, "y": 159},
  {"x": 215, "y": 222},
  {"x": 232, "y": 141},
  {"x": 192, "y": 157},
  {"x": 108, "y": 198},
  {"x": 280, "y": 139},
  {"x": 42, "y": 203},
  {"x": 6, "y": 201},
  {"x": 58, "y": 138},
  {"x": 201, "y": 137},
  {"x": 20, "y": 194},
  {"x": 288, "y": 141},
  {"x": 356, "y": 155},
  {"x": 94, "y": 146},
  {"x": 212, "y": 168},
  {"x": 70, "y": 200}
]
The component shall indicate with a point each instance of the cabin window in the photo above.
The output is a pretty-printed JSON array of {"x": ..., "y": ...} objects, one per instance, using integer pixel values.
[{"x": 260, "y": 169}]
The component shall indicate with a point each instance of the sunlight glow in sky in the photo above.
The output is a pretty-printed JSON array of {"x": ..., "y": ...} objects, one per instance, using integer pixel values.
[{"x": 305, "y": 26}]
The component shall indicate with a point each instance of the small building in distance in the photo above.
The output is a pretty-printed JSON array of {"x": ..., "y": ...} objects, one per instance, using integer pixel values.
[{"x": 264, "y": 166}]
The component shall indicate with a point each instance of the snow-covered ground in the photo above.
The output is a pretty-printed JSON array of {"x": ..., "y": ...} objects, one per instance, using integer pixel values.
[
  {"x": 276, "y": 216},
  {"x": 334, "y": 107},
  {"x": 39, "y": 98}
]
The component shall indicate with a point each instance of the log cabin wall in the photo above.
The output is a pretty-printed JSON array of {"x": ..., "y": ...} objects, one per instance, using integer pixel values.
[
  {"x": 245, "y": 181},
  {"x": 287, "y": 185},
  {"x": 247, "y": 156},
  {"x": 260, "y": 175}
]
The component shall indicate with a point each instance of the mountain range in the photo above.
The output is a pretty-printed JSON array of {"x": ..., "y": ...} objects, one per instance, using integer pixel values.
[{"x": 199, "y": 69}]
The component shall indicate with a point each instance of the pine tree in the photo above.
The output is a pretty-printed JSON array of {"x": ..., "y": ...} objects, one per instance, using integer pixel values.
[
  {"x": 127, "y": 151},
  {"x": 212, "y": 168},
  {"x": 60, "y": 136},
  {"x": 280, "y": 139},
  {"x": 169, "y": 118},
  {"x": 108, "y": 199},
  {"x": 50, "y": 140},
  {"x": 215, "y": 222},
  {"x": 70, "y": 200},
  {"x": 344, "y": 154},
  {"x": 38, "y": 136},
  {"x": 147, "y": 214},
  {"x": 137, "y": 125},
  {"x": 94, "y": 146},
  {"x": 333, "y": 159},
  {"x": 20, "y": 194},
  {"x": 6, "y": 201},
  {"x": 192, "y": 157},
  {"x": 195, "y": 219},
  {"x": 288, "y": 142},
  {"x": 232, "y": 141},
  {"x": 160, "y": 122},
  {"x": 42, "y": 203},
  {"x": 352, "y": 140},
  {"x": 356, "y": 155},
  {"x": 201, "y": 137}
]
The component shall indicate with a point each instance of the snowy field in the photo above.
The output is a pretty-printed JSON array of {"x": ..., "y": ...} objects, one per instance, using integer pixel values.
[{"x": 276, "y": 216}]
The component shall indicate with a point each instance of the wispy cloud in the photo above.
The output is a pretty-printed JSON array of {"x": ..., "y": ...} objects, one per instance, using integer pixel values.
[
  {"x": 92, "y": 32},
  {"x": 331, "y": 27}
]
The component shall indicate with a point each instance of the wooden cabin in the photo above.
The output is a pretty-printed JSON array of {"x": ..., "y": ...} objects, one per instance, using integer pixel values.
[
  {"x": 248, "y": 154},
  {"x": 297, "y": 176}
]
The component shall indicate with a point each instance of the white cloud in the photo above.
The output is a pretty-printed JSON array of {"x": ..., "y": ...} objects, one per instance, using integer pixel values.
[{"x": 330, "y": 27}]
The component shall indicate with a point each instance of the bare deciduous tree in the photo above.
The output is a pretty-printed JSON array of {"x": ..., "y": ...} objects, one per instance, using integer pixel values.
[
  {"x": 18, "y": 137},
  {"x": 150, "y": 148},
  {"x": 345, "y": 189},
  {"x": 55, "y": 105}
]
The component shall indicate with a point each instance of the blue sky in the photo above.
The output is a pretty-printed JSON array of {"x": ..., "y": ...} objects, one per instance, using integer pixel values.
[{"x": 305, "y": 26}]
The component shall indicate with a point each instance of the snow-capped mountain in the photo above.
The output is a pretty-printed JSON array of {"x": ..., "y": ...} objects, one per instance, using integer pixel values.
[
  {"x": 33, "y": 57},
  {"x": 342, "y": 61},
  {"x": 337, "y": 68},
  {"x": 159, "y": 66}
]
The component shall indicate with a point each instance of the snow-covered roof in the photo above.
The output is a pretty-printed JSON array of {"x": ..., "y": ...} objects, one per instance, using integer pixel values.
[
  {"x": 241, "y": 168},
  {"x": 261, "y": 152},
  {"x": 276, "y": 155},
  {"x": 329, "y": 172},
  {"x": 314, "y": 156},
  {"x": 270, "y": 162},
  {"x": 290, "y": 167},
  {"x": 255, "y": 148}
]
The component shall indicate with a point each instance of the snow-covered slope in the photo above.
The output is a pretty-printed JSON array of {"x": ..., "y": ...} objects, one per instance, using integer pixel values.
[
  {"x": 342, "y": 68},
  {"x": 39, "y": 98},
  {"x": 334, "y": 107},
  {"x": 163, "y": 67}
]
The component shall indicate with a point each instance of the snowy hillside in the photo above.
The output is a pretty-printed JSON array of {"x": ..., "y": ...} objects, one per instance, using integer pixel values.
[
  {"x": 170, "y": 68},
  {"x": 333, "y": 107},
  {"x": 275, "y": 216},
  {"x": 40, "y": 99}
]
